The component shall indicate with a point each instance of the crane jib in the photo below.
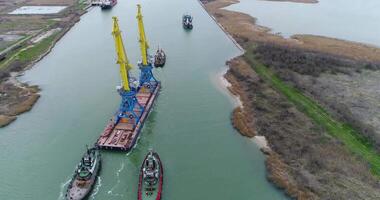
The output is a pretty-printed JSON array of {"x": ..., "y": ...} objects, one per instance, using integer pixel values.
[
  {"x": 143, "y": 41},
  {"x": 122, "y": 59}
]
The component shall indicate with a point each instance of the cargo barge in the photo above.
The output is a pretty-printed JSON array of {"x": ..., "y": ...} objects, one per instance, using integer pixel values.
[
  {"x": 123, "y": 135},
  {"x": 123, "y": 130}
]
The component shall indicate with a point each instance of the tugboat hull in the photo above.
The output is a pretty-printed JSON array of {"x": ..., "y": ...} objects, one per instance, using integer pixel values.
[
  {"x": 159, "y": 59},
  {"x": 157, "y": 192},
  {"x": 81, "y": 189},
  {"x": 187, "y": 22},
  {"x": 108, "y": 4},
  {"x": 105, "y": 7},
  {"x": 188, "y": 26}
]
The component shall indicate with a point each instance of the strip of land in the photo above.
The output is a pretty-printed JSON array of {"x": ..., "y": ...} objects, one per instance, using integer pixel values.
[
  {"x": 25, "y": 39},
  {"x": 297, "y": 1},
  {"x": 322, "y": 130}
]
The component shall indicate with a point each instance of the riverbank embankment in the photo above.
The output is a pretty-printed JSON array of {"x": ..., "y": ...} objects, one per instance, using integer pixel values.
[
  {"x": 41, "y": 33},
  {"x": 310, "y": 156},
  {"x": 297, "y": 1}
]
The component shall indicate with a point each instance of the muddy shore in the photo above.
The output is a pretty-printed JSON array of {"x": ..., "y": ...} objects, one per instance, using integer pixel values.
[
  {"x": 302, "y": 159},
  {"x": 16, "y": 97}
]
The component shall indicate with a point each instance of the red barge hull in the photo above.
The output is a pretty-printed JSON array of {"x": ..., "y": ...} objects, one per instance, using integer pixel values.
[{"x": 124, "y": 135}]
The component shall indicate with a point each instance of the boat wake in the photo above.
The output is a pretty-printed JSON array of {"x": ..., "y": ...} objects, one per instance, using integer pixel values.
[
  {"x": 97, "y": 187},
  {"x": 62, "y": 188},
  {"x": 111, "y": 191}
]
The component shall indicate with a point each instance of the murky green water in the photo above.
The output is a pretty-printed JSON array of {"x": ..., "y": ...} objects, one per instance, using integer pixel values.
[
  {"x": 353, "y": 20},
  {"x": 204, "y": 158}
]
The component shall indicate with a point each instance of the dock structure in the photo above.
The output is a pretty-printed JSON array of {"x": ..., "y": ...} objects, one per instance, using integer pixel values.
[{"x": 123, "y": 130}]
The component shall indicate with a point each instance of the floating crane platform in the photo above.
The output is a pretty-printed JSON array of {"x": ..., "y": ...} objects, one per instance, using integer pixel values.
[
  {"x": 123, "y": 130},
  {"x": 124, "y": 135}
]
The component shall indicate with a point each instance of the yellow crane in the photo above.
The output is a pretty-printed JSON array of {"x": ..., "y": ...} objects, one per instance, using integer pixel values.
[
  {"x": 147, "y": 79},
  {"x": 122, "y": 59},
  {"x": 127, "y": 109},
  {"x": 143, "y": 41}
]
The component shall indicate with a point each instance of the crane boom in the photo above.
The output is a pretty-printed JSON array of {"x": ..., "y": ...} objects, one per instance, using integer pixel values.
[
  {"x": 143, "y": 41},
  {"x": 122, "y": 59}
]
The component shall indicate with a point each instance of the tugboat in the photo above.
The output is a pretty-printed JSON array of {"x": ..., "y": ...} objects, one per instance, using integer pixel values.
[
  {"x": 107, "y": 4},
  {"x": 187, "y": 21},
  {"x": 151, "y": 178},
  {"x": 85, "y": 175},
  {"x": 159, "y": 58}
]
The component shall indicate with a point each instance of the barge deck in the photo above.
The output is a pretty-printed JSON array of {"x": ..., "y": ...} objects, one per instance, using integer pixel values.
[{"x": 123, "y": 135}]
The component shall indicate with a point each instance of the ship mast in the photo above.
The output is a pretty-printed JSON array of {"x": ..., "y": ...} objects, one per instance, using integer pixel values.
[
  {"x": 146, "y": 76},
  {"x": 129, "y": 104}
]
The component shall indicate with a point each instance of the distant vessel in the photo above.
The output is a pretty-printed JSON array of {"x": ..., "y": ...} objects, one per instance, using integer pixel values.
[
  {"x": 159, "y": 58},
  {"x": 85, "y": 175},
  {"x": 107, "y": 4},
  {"x": 151, "y": 178},
  {"x": 96, "y": 2},
  {"x": 187, "y": 21}
]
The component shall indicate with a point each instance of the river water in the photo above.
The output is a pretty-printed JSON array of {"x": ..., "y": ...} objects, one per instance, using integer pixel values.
[
  {"x": 204, "y": 157},
  {"x": 353, "y": 20}
]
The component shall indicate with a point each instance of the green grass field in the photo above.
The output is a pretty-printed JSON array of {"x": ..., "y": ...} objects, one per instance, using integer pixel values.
[
  {"x": 351, "y": 138},
  {"x": 36, "y": 50},
  {"x": 29, "y": 54},
  {"x": 81, "y": 4}
]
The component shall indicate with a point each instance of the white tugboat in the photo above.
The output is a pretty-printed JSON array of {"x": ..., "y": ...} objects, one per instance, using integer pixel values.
[{"x": 85, "y": 175}]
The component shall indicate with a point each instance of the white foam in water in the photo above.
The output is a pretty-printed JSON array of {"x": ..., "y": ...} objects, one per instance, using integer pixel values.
[
  {"x": 97, "y": 186},
  {"x": 63, "y": 187},
  {"x": 110, "y": 192},
  {"x": 37, "y": 10}
]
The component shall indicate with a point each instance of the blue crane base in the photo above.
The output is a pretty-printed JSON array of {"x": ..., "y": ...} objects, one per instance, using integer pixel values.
[
  {"x": 146, "y": 77},
  {"x": 128, "y": 106}
]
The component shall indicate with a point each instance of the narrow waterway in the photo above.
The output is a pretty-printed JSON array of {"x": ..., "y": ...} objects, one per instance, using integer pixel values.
[
  {"x": 204, "y": 157},
  {"x": 353, "y": 20}
]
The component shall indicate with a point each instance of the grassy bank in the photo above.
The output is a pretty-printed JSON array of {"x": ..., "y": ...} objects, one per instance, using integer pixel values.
[
  {"x": 37, "y": 50},
  {"x": 29, "y": 54},
  {"x": 352, "y": 139}
]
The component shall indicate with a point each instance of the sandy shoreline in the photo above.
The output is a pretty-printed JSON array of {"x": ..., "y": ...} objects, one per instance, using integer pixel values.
[{"x": 222, "y": 84}]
